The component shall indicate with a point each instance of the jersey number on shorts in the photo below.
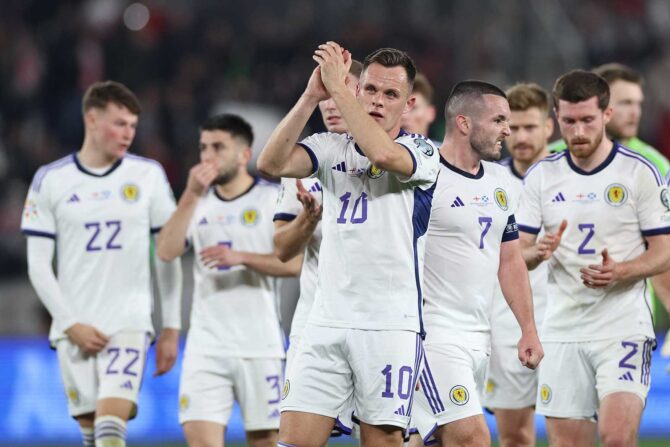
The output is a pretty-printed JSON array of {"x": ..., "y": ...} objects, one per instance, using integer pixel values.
[
  {"x": 131, "y": 353},
  {"x": 361, "y": 201},
  {"x": 404, "y": 382},
  {"x": 112, "y": 227},
  {"x": 590, "y": 231},
  {"x": 485, "y": 223}
]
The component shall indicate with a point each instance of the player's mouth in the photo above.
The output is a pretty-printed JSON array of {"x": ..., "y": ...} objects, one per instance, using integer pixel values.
[
  {"x": 376, "y": 115},
  {"x": 333, "y": 119},
  {"x": 523, "y": 147}
]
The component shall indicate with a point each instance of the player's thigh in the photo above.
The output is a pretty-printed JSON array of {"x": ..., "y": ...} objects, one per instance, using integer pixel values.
[
  {"x": 509, "y": 384},
  {"x": 380, "y": 435},
  {"x": 619, "y": 418},
  {"x": 206, "y": 389},
  {"x": 516, "y": 427},
  {"x": 384, "y": 366},
  {"x": 203, "y": 434},
  {"x": 301, "y": 429},
  {"x": 567, "y": 384},
  {"x": 120, "y": 369},
  {"x": 563, "y": 432},
  {"x": 258, "y": 387},
  {"x": 78, "y": 372},
  {"x": 448, "y": 390}
]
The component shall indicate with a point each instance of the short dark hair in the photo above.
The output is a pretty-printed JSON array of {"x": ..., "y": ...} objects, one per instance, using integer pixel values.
[
  {"x": 468, "y": 93},
  {"x": 524, "y": 96},
  {"x": 391, "y": 57},
  {"x": 356, "y": 68},
  {"x": 422, "y": 87},
  {"x": 614, "y": 72},
  {"x": 581, "y": 85},
  {"x": 234, "y": 124},
  {"x": 99, "y": 94}
]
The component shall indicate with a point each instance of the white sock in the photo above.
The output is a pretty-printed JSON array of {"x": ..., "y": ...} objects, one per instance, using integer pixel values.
[
  {"x": 87, "y": 436},
  {"x": 110, "y": 431}
]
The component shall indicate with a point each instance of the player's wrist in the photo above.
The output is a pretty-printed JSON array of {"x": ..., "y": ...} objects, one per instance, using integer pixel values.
[{"x": 309, "y": 100}]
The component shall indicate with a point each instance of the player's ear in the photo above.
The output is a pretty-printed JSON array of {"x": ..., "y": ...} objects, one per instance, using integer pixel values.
[
  {"x": 607, "y": 114},
  {"x": 463, "y": 124},
  {"x": 90, "y": 118},
  {"x": 246, "y": 155},
  {"x": 411, "y": 100},
  {"x": 549, "y": 126}
]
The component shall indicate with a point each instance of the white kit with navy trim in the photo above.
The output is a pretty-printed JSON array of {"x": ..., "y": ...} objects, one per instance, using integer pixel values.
[
  {"x": 614, "y": 206},
  {"x": 373, "y": 225},
  {"x": 101, "y": 224},
  {"x": 234, "y": 310}
]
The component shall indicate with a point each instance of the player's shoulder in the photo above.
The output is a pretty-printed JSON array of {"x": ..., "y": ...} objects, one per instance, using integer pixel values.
[
  {"x": 140, "y": 162},
  {"x": 328, "y": 138},
  {"x": 638, "y": 161},
  {"x": 51, "y": 170},
  {"x": 552, "y": 161}
]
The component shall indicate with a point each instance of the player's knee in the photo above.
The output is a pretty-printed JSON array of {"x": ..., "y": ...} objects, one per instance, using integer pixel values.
[
  {"x": 471, "y": 436},
  {"x": 617, "y": 436},
  {"x": 517, "y": 438}
]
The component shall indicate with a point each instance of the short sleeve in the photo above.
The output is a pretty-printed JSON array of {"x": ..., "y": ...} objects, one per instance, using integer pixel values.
[
  {"x": 288, "y": 206},
  {"x": 162, "y": 204},
  {"x": 320, "y": 148},
  {"x": 529, "y": 214},
  {"x": 426, "y": 159},
  {"x": 652, "y": 202},
  {"x": 38, "y": 214}
]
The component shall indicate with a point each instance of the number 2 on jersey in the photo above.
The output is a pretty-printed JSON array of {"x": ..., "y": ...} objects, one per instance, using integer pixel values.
[
  {"x": 591, "y": 230},
  {"x": 362, "y": 200},
  {"x": 114, "y": 227}
]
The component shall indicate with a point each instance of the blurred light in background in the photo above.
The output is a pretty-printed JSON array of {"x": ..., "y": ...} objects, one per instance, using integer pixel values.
[{"x": 136, "y": 16}]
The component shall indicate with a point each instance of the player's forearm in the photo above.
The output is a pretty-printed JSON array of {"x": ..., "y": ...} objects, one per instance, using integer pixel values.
[
  {"x": 275, "y": 157},
  {"x": 170, "y": 243},
  {"x": 529, "y": 251},
  {"x": 169, "y": 280},
  {"x": 291, "y": 239},
  {"x": 655, "y": 260},
  {"x": 375, "y": 143},
  {"x": 40, "y": 253},
  {"x": 270, "y": 265},
  {"x": 515, "y": 286}
]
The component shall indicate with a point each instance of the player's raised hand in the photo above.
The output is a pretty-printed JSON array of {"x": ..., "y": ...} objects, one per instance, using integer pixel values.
[
  {"x": 220, "y": 256},
  {"x": 530, "y": 350},
  {"x": 201, "y": 176},
  {"x": 315, "y": 87},
  {"x": 310, "y": 205},
  {"x": 597, "y": 276},
  {"x": 334, "y": 62},
  {"x": 548, "y": 244},
  {"x": 88, "y": 338},
  {"x": 166, "y": 350}
]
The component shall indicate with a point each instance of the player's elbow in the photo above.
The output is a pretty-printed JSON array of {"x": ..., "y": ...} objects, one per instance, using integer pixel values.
[
  {"x": 165, "y": 253},
  {"x": 266, "y": 167}
]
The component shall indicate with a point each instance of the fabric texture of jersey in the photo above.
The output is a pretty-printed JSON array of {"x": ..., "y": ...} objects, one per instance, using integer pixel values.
[
  {"x": 504, "y": 327},
  {"x": 102, "y": 225},
  {"x": 288, "y": 208},
  {"x": 614, "y": 206},
  {"x": 234, "y": 310},
  {"x": 473, "y": 214},
  {"x": 373, "y": 225}
]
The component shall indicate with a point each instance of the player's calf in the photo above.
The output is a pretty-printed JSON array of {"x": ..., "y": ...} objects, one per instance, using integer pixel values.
[{"x": 262, "y": 438}]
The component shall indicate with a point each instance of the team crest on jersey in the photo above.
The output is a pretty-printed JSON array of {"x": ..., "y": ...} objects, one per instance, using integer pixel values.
[
  {"x": 616, "y": 194},
  {"x": 29, "y": 210},
  {"x": 501, "y": 198},
  {"x": 250, "y": 216},
  {"x": 545, "y": 394},
  {"x": 375, "y": 172},
  {"x": 183, "y": 402},
  {"x": 286, "y": 389},
  {"x": 664, "y": 199},
  {"x": 130, "y": 192},
  {"x": 490, "y": 386},
  {"x": 73, "y": 395},
  {"x": 459, "y": 395},
  {"x": 425, "y": 147}
]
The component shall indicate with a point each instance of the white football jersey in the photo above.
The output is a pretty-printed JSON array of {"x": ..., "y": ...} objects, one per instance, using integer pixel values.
[
  {"x": 288, "y": 208},
  {"x": 373, "y": 226},
  {"x": 615, "y": 206},
  {"x": 504, "y": 327},
  {"x": 102, "y": 225},
  {"x": 472, "y": 216},
  {"x": 234, "y": 310}
]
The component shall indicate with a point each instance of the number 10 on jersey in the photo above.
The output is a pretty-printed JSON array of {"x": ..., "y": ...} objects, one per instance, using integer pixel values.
[{"x": 357, "y": 216}]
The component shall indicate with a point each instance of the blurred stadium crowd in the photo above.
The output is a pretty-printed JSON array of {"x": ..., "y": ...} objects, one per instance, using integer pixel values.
[{"x": 185, "y": 58}]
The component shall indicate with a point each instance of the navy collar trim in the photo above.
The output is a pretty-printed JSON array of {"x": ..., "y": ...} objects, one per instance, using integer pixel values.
[
  {"x": 223, "y": 199},
  {"x": 478, "y": 175},
  {"x": 515, "y": 173},
  {"x": 598, "y": 168},
  {"x": 83, "y": 169}
]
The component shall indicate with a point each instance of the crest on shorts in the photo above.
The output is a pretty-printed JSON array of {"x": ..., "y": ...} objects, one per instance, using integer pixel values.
[
  {"x": 616, "y": 194},
  {"x": 250, "y": 216},
  {"x": 183, "y": 402},
  {"x": 501, "y": 199},
  {"x": 664, "y": 199},
  {"x": 286, "y": 389},
  {"x": 73, "y": 395},
  {"x": 130, "y": 192},
  {"x": 459, "y": 395},
  {"x": 490, "y": 386},
  {"x": 424, "y": 147},
  {"x": 545, "y": 394},
  {"x": 375, "y": 172}
]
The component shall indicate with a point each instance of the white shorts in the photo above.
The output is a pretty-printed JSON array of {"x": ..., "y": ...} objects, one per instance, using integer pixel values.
[
  {"x": 575, "y": 377},
  {"x": 336, "y": 369},
  {"x": 114, "y": 372},
  {"x": 449, "y": 386},
  {"x": 509, "y": 384},
  {"x": 209, "y": 386}
]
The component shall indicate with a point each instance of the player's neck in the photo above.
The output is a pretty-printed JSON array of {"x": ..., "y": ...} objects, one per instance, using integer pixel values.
[
  {"x": 522, "y": 167},
  {"x": 92, "y": 157},
  {"x": 597, "y": 158},
  {"x": 464, "y": 159},
  {"x": 236, "y": 187}
]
